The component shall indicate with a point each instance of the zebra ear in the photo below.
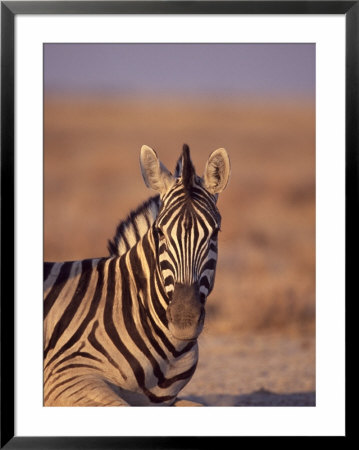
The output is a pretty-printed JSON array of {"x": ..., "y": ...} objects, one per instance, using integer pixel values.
[
  {"x": 217, "y": 171},
  {"x": 154, "y": 173}
]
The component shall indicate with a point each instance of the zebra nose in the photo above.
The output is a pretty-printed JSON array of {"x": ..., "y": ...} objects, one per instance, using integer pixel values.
[{"x": 185, "y": 313}]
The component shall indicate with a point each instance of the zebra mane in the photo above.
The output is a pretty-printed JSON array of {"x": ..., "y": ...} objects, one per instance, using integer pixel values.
[{"x": 137, "y": 223}]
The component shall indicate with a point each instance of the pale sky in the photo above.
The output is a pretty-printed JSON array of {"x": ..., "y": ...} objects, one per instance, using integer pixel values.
[{"x": 184, "y": 69}]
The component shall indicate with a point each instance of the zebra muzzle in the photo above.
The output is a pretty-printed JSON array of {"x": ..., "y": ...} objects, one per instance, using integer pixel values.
[{"x": 185, "y": 313}]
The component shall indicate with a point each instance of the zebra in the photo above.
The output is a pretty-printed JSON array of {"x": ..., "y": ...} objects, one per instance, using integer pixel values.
[{"x": 123, "y": 330}]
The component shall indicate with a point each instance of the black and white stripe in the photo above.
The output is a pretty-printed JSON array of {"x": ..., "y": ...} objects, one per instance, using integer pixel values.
[{"x": 122, "y": 330}]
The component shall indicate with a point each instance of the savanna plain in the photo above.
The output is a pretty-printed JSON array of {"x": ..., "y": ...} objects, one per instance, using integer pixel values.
[{"x": 258, "y": 344}]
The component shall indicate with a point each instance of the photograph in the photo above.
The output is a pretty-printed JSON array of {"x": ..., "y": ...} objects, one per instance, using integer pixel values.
[{"x": 179, "y": 224}]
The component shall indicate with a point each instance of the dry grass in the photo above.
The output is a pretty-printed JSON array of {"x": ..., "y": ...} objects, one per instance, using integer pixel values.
[{"x": 266, "y": 270}]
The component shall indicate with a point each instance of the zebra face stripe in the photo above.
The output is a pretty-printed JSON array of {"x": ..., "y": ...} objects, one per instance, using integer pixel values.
[{"x": 186, "y": 233}]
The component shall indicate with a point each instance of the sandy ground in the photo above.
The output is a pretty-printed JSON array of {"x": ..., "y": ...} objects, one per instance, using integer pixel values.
[
  {"x": 258, "y": 346},
  {"x": 253, "y": 370}
]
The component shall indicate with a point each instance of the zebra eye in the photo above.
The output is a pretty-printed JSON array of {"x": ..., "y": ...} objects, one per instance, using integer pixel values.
[{"x": 215, "y": 233}]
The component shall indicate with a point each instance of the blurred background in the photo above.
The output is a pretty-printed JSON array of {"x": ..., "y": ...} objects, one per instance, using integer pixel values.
[{"x": 102, "y": 102}]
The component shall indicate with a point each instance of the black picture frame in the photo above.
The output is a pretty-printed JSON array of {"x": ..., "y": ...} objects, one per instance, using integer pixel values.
[{"x": 9, "y": 10}]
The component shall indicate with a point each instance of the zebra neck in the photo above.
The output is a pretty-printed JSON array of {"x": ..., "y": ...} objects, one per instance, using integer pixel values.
[{"x": 147, "y": 279}]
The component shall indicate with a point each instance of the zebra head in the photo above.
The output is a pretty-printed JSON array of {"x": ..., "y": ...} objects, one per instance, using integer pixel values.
[{"x": 185, "y": 234}]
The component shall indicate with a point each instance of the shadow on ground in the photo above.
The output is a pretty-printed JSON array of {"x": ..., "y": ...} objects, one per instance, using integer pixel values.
[{"x": 257, "y": 398}]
